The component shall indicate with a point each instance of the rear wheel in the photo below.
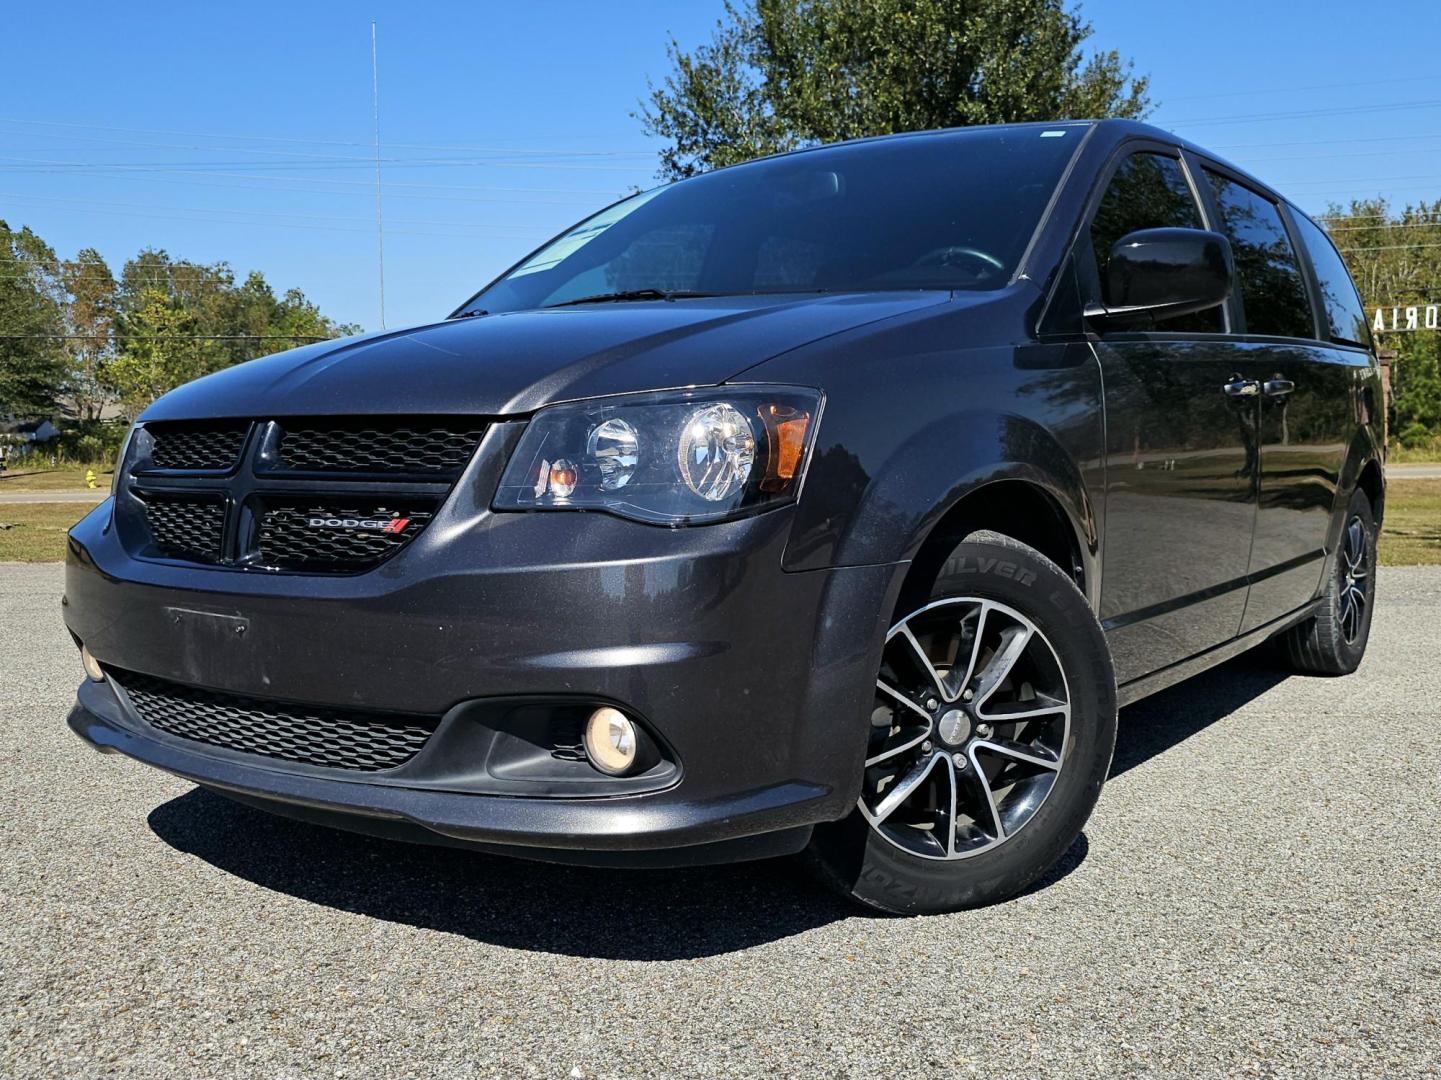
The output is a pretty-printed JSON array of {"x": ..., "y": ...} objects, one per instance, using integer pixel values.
[
  {"x": 991, "y": 734},
  {"x": 1333, "y": 641}
]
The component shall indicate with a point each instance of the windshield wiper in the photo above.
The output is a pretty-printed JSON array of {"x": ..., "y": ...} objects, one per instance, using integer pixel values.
[{"x": 633, "y": 294}]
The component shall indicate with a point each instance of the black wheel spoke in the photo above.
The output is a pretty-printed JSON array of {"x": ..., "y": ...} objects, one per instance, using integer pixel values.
[{"x": 979, "y": 801}]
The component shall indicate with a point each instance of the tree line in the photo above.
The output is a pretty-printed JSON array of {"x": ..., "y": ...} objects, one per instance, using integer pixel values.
[
  {"x": 79, "y": 343},
  {"x": 776, "y": 74},
  {"x": 1395, "y": 259}
]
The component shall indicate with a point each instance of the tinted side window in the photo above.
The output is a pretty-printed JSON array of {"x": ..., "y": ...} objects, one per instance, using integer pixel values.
[
  {"x": 1345, "y": 318},
  {"x": 1149, "y": 191},
  {"x": 1269, "y": 274}
]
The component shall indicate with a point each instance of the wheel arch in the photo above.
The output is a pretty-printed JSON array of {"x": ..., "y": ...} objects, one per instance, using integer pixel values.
[
  {"x": 1373, "y": 482},
  {"x": 1019, "y": 505},
  {"x": 1364, "y": 471}
]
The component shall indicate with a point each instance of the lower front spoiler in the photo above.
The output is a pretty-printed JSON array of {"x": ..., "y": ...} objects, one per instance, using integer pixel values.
[{"x": 660, "y": 829}]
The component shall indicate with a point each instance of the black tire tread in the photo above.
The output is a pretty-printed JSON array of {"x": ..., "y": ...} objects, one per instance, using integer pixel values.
[{"x": 1317, "y": 646}]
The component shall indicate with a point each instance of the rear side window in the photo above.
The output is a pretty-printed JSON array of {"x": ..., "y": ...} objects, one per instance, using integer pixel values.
[
  {"x": 1268, "y": 272},
  {"x": 1149, "y": 191},
  {"x": 1344, "y": 317}
]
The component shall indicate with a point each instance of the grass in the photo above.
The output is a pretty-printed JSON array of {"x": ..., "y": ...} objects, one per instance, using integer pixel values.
[
  {"x": 35, "y": 532},
  {"x": 1427, "y": 453},
  {"x": 64, "y": 479},
  {"x": 1411, "y": 536}
]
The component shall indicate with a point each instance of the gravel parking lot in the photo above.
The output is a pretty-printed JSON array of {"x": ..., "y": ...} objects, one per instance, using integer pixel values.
[{"x": 1259, "y": 894}]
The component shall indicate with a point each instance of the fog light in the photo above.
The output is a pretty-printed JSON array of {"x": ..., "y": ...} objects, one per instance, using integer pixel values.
[
  {"x": 610, "y": 741},
  {"x": 91, "y": 665}
]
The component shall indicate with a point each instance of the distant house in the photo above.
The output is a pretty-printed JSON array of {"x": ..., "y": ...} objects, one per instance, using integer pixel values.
[{"x": 28, "y": 432}]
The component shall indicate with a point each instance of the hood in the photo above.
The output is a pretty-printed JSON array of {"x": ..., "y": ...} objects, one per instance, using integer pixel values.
[{"x": 516, "y": 362}]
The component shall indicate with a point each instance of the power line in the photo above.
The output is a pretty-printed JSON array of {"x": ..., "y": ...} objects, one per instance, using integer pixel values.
[
  {"x": 459, "y": 147},
  {"x": 1358, "y": 154},
  {"x": 1433, "y": 177},
  {"x": 1305, "y": 89},
  {"x": 1342, "y": 110},
  {"x": 322, "y": 163},
  {"x": 1390, "y": 247},
  {"x": 100, "y": 203},
  {"x": 1387, "y": 225},
  {"x": 610, "y": 193},
  {"x": 1326, "y": 142}
]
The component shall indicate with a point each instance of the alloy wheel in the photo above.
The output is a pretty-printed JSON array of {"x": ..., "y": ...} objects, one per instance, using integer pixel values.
[
  {"x": 969, "y": 730},
  {"x": 1355, "y": 579}
]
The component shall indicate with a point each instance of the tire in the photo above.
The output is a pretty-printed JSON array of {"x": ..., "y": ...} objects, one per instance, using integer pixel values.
[
  {"x": 920, "y": 852},
  {"x": 1333, "y": 641}
]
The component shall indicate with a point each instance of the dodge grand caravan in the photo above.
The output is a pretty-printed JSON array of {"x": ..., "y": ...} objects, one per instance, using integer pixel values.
[{"x": 832, "y": 503}]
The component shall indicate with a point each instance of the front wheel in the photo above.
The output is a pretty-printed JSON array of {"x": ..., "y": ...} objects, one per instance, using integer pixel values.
[{"x": 991, "y": 734}]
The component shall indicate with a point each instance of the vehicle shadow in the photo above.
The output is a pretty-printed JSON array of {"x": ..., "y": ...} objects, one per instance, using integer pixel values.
[
  {"x": 541, "y": 907},
  {"x": 1153, "y": 726},
  {"x": 604, "y": 914}
]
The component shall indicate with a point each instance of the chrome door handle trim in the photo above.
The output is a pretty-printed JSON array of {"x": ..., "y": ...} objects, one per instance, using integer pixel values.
[{"x": 1239, "y": 387}]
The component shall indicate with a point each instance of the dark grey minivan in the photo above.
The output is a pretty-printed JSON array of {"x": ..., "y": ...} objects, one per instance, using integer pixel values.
[{"x": 829, "y": 503}]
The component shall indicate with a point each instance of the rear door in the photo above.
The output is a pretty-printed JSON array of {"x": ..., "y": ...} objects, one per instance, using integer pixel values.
[
  {"x": 1306, "y": 403},
  {"x": 1181, "y": 453}
]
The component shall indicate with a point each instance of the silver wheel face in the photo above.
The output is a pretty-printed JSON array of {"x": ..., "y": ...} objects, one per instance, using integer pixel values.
[
  {"x": 969, "y": 730},
  {"x": 1355, "y": 579}
]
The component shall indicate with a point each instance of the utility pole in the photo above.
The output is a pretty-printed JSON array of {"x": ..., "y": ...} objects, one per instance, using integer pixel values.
[{"x": 379, "y": 221}]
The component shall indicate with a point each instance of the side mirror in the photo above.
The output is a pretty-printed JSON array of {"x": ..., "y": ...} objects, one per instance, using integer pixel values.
[{"x": 1162, "y": 273}]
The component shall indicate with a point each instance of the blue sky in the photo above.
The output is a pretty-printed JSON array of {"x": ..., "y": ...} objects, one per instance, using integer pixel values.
[{"x": 241, "y": 132}]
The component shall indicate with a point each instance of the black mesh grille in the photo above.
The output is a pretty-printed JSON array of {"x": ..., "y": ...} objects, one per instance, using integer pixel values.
[
  {"x": 305, "y": 734},
  {"x": 186, "y": 528},
  {"x": 313, "y": 495},
  {"x": 187, "y": 446},
  {"x": 335, "y": 538},
  {"x": 378, "y": 448}
]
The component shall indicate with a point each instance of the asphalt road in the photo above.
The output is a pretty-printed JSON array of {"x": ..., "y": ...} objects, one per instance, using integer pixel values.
[
  {"x": 86, "y": 496},
  {"x": 1258, "y": 894},
  {"x": 1418, "y": 471}
]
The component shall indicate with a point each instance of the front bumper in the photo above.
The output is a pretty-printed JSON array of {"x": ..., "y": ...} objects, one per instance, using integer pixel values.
[{"x": 759, "y": 681}]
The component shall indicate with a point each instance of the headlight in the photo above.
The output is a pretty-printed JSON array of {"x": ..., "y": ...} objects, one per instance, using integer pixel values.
[
  {"x": 675, "y": 458},
  {"x": 120, "y": 459}
]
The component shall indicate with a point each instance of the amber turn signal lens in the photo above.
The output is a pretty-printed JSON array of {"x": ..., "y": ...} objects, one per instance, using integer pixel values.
[
  {"x": 563, "y": 478},
  {"x": 786, "y": 429}
]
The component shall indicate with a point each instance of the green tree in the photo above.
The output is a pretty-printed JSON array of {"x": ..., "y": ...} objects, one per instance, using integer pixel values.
[
  {"x": 206, "y": 322},
  {"x": 1395, "y": 258},
  {"x": 778, "y": 74},
  {"x": 204, "y": 293},
  {"x": 90, "y": 312},
  {"x": 158, "y": 349},
  {"x": 32, "y": 327}
]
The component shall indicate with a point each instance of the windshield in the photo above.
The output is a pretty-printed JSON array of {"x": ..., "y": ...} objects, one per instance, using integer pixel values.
[{"x": 950, "y": 210}]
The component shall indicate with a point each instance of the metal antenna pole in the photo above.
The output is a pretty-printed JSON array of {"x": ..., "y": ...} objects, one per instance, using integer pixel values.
[{"x": 379, "y": 223}]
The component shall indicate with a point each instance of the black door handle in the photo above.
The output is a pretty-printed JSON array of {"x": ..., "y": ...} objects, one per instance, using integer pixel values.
[
  {"x": 1239, "y": 387},
  {"x": 1276, "y": 386}
]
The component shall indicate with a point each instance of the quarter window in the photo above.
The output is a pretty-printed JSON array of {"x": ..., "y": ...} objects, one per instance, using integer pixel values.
[
  {"x": 1345, "y": 318},
  {"x": 1267, "y": 270},
  {"x": 1149, "y": 191}
]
